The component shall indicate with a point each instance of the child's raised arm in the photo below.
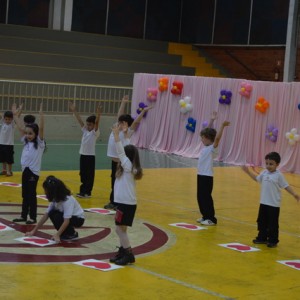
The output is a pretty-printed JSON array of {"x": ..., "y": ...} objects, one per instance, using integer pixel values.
[
  {"x": 212, "y": 119},
  {"x": 291, "y": 191},
  {"x": 77, "y": 116},
  {"x": 139, "y": 118},
  {"x": 219, "y": 134},
  {"x": 124, "y": 101},
  {"x": 17, "y": 119},
  {"x": 98, "y": 115},
  {"x": 42, "y": 123}
]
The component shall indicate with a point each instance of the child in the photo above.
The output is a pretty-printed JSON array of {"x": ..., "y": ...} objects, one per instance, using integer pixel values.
[
  {"x": 64, "y": 211},
  {"x": 7, "y": 143},
  {"x": 271, "y": 181},
  {"x": 128, "y": 171},
  {"x": 31, "y": 159},
  {"x": 127, "y": 126},
  {"x": 90, "y": 133},
  {"x": 210, "y": 139}
]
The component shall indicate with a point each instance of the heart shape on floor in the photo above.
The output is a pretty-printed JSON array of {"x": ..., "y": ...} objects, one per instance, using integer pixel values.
[
  {"x": 37, "y": 241},
  {"x": 97, "y": 264}
]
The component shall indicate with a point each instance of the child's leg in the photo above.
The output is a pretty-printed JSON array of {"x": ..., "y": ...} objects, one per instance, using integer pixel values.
[
  {"x": 273, "y": 224},
  {"x": 90, "y": 173},
  {"x": 121, "y": 231},
  {"x": 31, "y": 195},
  {"x": 9, "y": 170},
  {"x": 262, "y": 223},
  {"x": 114, "y": 165},
  {"x": 4, "y": 169}
]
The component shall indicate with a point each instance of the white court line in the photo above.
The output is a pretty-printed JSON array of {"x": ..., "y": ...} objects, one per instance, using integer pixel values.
[{"x": 188, "y": 285}]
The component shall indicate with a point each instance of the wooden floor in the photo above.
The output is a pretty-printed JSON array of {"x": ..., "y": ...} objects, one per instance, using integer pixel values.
[{"x": 171, "y": 262}]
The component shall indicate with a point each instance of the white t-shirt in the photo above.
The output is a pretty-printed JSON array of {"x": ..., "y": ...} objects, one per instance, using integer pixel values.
[
  {"x": 7, "y": 133},
  {"x": 271, "y": 185},
  {"x": 88, "y": 141},
  {"x": 124, "y": 187},
  {"x": 70, "y": 207},
  {"x": 31, "y": 157},
  {"x": 205, "y": 161},
  {"x": 111, "y": 147}
]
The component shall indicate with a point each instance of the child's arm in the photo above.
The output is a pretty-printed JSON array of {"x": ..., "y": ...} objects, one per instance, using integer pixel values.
[
  {"x": 124, "y": 101},
  {"x": 139, "y": 118},
  {"x": 19, "y": 110},
  {"x": 17, "y": 119},
  {"x": 249, "y": 172},
  {"x": 291, "y": 191},
  {"x": 77, "y": 116},
  {"x": 98, "y": 114},
  {"x": 62, "y": 228},
  {"x": 219, "y": 134},
  {"x": 116, "y": 131},
  {"x": 38, "y": 225},
  {"x": 42, "y": 123},
  {"x": 212, "y": 119}
]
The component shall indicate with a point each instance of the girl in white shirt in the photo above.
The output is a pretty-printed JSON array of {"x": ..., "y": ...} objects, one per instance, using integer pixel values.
[
  {"x": 64, "y": 211},
  {"x": 31, "y": 160},
  {"x": 128, "y": 171}
]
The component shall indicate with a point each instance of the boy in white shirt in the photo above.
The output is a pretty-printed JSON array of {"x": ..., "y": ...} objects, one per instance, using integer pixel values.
[
  {"x": 210, "y": 139},
  {"x": 90, "y": 133},
  {"x": 271, "y": 181}
]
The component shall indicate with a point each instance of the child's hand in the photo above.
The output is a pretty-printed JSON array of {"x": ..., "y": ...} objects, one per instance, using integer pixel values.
[
  {"x": 56, "y": 238},
  {"x": 125, "y": 99},
  {"x": 99, "y": 109},
  {"x": 297, "y": 197},
  {"x": 14, "y": 109},
  {"x": 115, "y": 129},
  {"x": 226, "y": 123},
  {"x": 72, "y": 106},
  {"x": 148, "y": 108},
  {"x": 41, "y": 108},
  {"x": 214, "y": 115},
  {"x": 29, "y": 233}
]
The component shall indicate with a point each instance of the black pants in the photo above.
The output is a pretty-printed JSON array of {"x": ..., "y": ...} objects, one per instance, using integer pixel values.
[
  {"x": 205, "y": 200},
  {"x": 57, "y": 218},
  {"x": 87, "y": 173},
  {"x": 29, "y": 204},
  {"x": 114, "y": 165},
  {"x": 268, "y": 223}
]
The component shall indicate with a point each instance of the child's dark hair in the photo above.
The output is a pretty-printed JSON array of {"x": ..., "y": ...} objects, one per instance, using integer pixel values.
[
  {"x": 29, "y": 119},
  {"x": 126, "y": 118},
  {"x": 91, "y": 119},
  {"x": 273, "y": 156},
  {"x": 8, "y": 114},
  {"x": 55, "y": 189},
  {"x": 35, "y": 129},
  {"x": 133, "y": 154},
  {"x": 209, "y": 133}
]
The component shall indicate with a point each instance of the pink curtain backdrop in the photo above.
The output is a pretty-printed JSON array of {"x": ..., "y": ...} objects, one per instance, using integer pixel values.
[{"x": 243, "y": 142}]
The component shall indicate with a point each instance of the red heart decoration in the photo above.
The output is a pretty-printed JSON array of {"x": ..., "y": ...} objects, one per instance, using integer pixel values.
[
  {"x": 188, "y": 226},
  {"x": 100, "y": 211},
  {"x": 2, "y": 227},
  {"x": 294, "y": 264},
  {"x": 239, "y": 247},
  {"x": 37, "y": 241},
  {"x": 98, "y": 265}
]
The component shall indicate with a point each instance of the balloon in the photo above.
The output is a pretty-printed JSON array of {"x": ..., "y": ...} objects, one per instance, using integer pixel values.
[
  {"x": 272, "y": 133},
  {"x": 185, "y": 105},
  {"x": 246, "y": 89},
  {"x": 292, "y": 136},
  {"x": 225, "y": 97},
  {"x": 191, "y": 125},
  {"x": 141, "y": 107},
  {"x": 163, "y": 84},
  {"x": 177, "y": 88},
  {"x": 262, "y": 105},
  {"x": 152, "y": 94}
]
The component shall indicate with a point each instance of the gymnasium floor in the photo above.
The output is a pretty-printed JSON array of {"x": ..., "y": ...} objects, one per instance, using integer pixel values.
[{"x": 172, "y": 262}]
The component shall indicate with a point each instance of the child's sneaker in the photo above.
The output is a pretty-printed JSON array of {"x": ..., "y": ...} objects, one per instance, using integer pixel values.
[
  {"x": 208, "y": 222},
  {"x": 71, "y": 237},
  {"x": 200, "y": 220},
  {"x": 109, "y": 206},
  {"x": 272, "y": 245},
  {"x": 80, "y": 195},
  {"x": 3, "y": 172},
  {"x": 257, "y": 241},
  {"x": 127, "y": 258},
  {"x": 118, "y": 255},
  {"x": 9, "y": 174}
]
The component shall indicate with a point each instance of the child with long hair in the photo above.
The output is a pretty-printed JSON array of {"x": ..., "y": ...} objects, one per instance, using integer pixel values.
[
  {"x": 64, "y": 211},
  {"x": 128, "y": 171},
  {"x": 32, "y": 137}
]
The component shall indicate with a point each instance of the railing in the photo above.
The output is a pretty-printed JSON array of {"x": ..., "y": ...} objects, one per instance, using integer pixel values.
[{"x": 55, "y": 97}]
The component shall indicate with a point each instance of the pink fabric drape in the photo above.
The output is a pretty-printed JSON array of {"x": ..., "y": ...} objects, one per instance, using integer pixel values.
[{"x": 243, "y": 142}]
